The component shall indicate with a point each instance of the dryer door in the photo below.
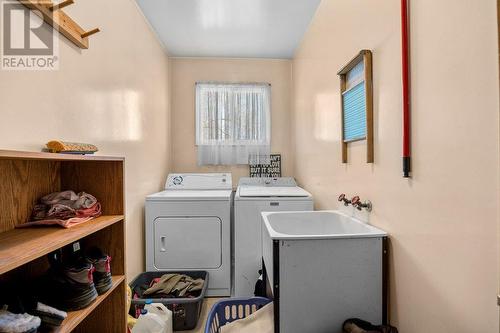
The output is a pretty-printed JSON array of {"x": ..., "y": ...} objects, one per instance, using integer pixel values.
[{"x": 188, "y": 242}]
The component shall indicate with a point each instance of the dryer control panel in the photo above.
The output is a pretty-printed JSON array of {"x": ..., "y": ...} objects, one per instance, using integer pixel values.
[{"x": 199, "y": 181}]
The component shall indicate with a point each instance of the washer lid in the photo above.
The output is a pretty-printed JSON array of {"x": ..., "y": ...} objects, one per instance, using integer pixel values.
[
  {"x": 190, "y": 195},
  {"x": 272, "y": 191}
]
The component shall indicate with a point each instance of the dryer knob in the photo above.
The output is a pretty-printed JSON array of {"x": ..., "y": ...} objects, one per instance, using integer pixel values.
[{"x": 177, "y": 180}]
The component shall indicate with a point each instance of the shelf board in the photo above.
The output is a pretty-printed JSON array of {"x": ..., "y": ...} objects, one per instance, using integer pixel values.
[
  {"x": 76, "y": 317},
  {"x": 20, "y": 246},
  {"x": 28, "y": 155}
]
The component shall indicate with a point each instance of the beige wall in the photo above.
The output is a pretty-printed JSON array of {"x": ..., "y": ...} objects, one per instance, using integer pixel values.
[
  {"x": 114, "y": 95},
  {"x": 443, "y": 222},
  {"x": 187, "y": 71}
]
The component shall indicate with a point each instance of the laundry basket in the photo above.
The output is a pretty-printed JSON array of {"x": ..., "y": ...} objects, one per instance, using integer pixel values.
[
  {"x": 232, "y": 309},
  {"x": 186, "y": 311}
]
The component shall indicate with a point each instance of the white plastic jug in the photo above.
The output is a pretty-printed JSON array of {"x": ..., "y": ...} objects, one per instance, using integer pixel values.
[
  {"x": 149, "y": 322},
  {"x": 164, "y": 313}
]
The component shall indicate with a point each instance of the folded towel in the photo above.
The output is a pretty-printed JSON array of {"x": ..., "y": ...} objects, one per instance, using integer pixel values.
[
  {"x": 93, "y": 211},
  {"x": 56, "y": 146},
  {"x": 68, "y": 223}
]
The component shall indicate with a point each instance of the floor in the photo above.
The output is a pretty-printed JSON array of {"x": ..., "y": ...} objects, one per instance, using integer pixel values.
[{"x": 207, "y": 305}]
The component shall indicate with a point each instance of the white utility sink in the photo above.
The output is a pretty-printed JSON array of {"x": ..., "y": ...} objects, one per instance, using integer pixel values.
[
  {"x": 322, "y": 267},
  {"x": 317, "y": 225}
]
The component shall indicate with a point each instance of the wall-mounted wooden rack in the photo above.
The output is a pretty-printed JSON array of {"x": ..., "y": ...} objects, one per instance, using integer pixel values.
[
  {"x": 53, "y": 15},
  {"x": 357, "y": 104}
]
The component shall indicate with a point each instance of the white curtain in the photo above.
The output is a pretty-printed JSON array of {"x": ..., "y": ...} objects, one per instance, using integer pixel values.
[{"x": 233, "y": 123}]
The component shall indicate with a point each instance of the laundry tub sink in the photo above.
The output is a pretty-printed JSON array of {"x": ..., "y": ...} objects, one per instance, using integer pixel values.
[
  {"x": 322, "y": 268},
  {"x": 317, "y": 225}
]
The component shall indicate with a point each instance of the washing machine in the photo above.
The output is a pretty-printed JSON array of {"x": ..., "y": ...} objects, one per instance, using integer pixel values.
[
  {"x": 188, "y": 228},
  {"x": 253, "y": 196}
]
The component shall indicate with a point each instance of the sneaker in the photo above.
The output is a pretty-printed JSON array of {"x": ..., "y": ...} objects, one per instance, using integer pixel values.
[
  {"x": 50, "y": 316},
  {"x": 18, "y": 323},
  {"x": 69, "y": 287},
  {"x": 102, "y": 272}
]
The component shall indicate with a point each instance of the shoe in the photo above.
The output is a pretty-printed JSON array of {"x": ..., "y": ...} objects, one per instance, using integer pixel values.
[
  {"x": 50, "y": 316},
  {"x": 18, "y": 323},
  {"x": 22, "y": 298},
  {"x": 69, "y": 287},
  {"x": 356, "y": 325},
  {"x": 102, "y": 272}
]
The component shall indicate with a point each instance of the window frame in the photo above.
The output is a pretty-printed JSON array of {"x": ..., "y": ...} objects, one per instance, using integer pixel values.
[{"x": 266, "y": 141}]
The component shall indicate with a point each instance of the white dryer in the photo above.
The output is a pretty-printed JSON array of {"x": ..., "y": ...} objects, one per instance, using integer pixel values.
[
  {"x": 188, "y": 228},
  {"x": 253, "y": 196}
]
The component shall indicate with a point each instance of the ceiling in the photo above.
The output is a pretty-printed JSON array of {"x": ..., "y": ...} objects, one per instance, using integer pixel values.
[{"x": 230, "y": 28}]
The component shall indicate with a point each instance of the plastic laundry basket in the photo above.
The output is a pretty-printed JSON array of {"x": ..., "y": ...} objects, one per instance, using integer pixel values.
[
  {"x": 232, "y": 309},
  {"x": 186, "y": 311}
]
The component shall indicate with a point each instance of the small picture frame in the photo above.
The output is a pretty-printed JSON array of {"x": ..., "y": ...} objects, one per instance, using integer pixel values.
[{"x": 271, "y": 170}]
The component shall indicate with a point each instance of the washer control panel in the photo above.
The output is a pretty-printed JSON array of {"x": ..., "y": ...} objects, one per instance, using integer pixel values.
[
  {"x": 255, "y": 181},
  {"x": 199, "y": 181}
]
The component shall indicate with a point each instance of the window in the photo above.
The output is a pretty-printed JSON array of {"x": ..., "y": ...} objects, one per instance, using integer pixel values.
[{"x": 233, "y": 123}]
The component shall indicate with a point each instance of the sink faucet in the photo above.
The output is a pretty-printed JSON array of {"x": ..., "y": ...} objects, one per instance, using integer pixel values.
[
  {"x": 356, "y": 202},
  {"x": 343, "y": 199}
]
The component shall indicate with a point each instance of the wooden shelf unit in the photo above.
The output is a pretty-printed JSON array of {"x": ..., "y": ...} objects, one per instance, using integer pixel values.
[{"x": 25, "y": 177}]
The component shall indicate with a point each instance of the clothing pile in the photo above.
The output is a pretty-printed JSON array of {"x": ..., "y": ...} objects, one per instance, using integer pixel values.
[
  {"x": 66, "y": 209},
  {"x": 170, "y": 286}
]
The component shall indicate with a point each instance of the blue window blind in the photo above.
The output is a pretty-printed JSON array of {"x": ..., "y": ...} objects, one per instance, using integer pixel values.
[
  {"x": 355, "y": 75},
  {"x": 354, "y": 101}
]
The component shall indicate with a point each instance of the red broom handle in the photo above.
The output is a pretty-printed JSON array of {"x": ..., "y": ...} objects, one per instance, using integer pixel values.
[{"x": 406, "y": 86}]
